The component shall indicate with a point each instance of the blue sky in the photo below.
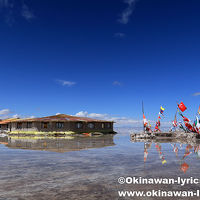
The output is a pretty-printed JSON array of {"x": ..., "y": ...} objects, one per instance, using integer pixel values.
[{"x": 101, "y": 57}]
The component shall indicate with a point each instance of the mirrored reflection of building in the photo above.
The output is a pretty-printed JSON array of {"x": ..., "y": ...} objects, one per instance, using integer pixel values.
[
  {"x": 58, "y": 144},
  {"x": 4, "y": 140}
]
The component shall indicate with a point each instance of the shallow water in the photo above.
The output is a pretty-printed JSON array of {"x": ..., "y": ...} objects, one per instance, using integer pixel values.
[{"x": 89, "y": 167}]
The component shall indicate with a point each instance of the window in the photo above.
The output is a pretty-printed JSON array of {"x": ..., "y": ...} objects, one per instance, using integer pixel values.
[
  {"x": 59, "y": 124},
  {"x": 90, "y": 125},
  {"x": 79, "y": 125},
  {"x": 45, "y": 124},
  {"x": 29, "y": 125},
  {"x": 108, "y": 125},
  {"x": 19, "y": 125},
  {"x": 103, "y": 125}
]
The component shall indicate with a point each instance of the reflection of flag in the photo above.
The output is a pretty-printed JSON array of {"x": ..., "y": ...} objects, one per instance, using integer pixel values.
[
  {"x": 184, "y": 167},
  {"x": 164, "y": 161},
  {"x": 186, "y": 154},
  {"x": 145, "y": 155},
  {"x": 182, "y": 107}
]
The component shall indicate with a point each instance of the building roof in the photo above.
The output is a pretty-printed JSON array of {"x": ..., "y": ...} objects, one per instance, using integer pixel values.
[
  {"x": 60, "y": 117},
  {"x": 6, "y": 121}
]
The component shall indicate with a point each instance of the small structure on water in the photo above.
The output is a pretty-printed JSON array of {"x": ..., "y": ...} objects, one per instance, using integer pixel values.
[
  {"x": 56, "y": 124},
  {"x": 190, "y": 131}
]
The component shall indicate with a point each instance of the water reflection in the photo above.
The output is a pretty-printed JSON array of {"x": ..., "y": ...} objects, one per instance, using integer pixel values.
[
  {"x": 91, "y": 166},
  {"x": 58, "y": 144},
  {"x": 176, "y": 146}
]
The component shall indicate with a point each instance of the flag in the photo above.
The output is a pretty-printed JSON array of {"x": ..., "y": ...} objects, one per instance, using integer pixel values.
[
  {"x": 188, "y": 126},
  {"x": 197, "y": 125},
  {"x": 158, "y": 123},
  {"x": 149, "y": 124},
  {"x": 161, "y": 110},
  {"x": 145, "y": 120},
  {"x": 199, "y": 110},
  {"x": 182, "y": 107},
  {"x": 174, "y": 123},
  {"x": 180, "y": 113},
  {"x": 185, "y": 119},
  {"x": 197, "y": 122}
]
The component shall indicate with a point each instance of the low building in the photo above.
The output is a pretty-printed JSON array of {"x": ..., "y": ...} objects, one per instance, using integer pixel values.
[
  {"x": 61, "y": 123},
  {"x": 5, "y": 125}
]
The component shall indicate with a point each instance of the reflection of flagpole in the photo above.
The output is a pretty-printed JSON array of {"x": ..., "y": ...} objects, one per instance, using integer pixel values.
[
  {"x": 147, "y": 146},
  {"x": 144, "y": 148}
]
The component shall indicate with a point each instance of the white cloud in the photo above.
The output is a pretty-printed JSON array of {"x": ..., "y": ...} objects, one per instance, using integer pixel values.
[
  {"x": 93, "y": 115},
  {"x": 125, "y": 15},
  {"x": 117, "y": 83},
  {"x": 58, "y": 113},
  {"x": 10, "y": 9},
  {"x": 120, "y": 121},
  {"x": 119, "y": 35},
  {"x": 196, "y": 94},
  {"x": 26, "y": 13},
  {"x": 16, "y": 116},
  {"x": 66, "y": 83},
  {"x": 5, "y": 112},
  {"x": 32, "y": 116}
]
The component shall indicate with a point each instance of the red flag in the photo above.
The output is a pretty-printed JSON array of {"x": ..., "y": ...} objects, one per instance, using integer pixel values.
[
  {"x": 189, "y": 126},
  {"x": 185, "y": 119},
  {"x": 182, "y": 107},
  {"x": 145, "y": 121}
]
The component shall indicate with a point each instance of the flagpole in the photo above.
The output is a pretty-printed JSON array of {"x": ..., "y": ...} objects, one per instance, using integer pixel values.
[
  {"x": 175, "y": 119},
  {"x": 143, "y": 115}
]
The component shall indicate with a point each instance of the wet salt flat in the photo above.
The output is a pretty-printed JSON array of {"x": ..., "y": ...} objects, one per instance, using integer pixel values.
[{"x": 89, "y": 167}]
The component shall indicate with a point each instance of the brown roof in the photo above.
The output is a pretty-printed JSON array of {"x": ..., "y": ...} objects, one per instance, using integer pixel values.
[
  {"x": 61, "y": 117},
  {"x": 6, "y": 121}
]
